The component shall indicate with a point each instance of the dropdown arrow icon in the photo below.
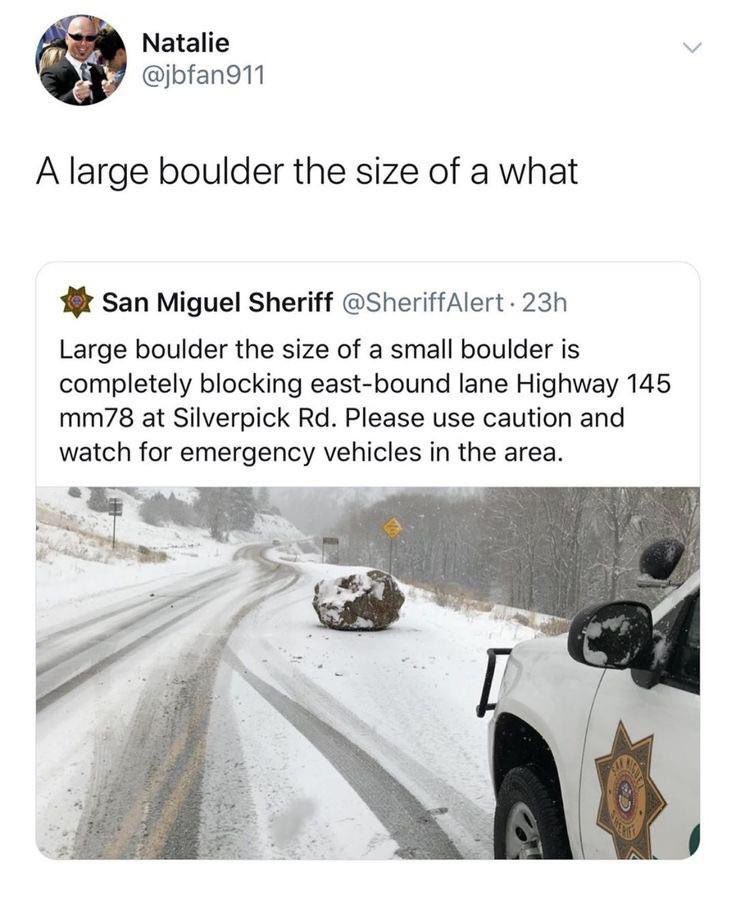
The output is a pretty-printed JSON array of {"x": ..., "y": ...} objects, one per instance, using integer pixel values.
[{"x": 692, "y": 49}]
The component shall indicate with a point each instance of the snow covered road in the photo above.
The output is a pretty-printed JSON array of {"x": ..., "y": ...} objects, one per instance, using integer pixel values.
[{"x": 214, "y": 717}]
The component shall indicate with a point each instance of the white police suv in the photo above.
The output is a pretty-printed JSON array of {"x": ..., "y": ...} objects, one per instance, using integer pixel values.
[{"x": 594, "y": 741}]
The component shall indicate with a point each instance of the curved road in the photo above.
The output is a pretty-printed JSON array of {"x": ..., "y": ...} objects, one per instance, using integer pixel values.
[{"x": 141, "y": 677}]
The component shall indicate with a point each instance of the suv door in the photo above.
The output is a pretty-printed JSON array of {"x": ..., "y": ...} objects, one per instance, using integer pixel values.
[{"x": 640, "y": 772}]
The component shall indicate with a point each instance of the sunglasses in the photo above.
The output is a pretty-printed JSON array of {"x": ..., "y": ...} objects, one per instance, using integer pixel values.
[{"x": 88, "y": 38}]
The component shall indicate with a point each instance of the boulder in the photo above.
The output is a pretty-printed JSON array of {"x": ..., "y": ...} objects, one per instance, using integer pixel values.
[{"x": 359, "y": 601}]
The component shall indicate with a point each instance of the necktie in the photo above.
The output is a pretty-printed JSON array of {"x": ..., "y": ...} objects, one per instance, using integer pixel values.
[{"x": 84, "y": 72}]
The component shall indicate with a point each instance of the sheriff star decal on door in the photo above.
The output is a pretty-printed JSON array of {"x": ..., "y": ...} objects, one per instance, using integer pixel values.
[{"x": 630, "y": 801}]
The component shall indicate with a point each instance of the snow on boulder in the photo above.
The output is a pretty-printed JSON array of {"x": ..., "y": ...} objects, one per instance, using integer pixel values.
[{"x": 359, "y": 601}]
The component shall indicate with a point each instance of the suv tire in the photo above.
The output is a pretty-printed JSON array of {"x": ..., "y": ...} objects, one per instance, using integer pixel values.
[{"x": 529, "y": 821}]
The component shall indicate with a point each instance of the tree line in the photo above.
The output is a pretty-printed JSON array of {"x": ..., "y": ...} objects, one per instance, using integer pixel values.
[{"x": 542, "y": 549}]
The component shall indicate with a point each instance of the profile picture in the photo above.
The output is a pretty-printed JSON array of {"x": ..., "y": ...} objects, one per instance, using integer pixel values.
[{"x": 81, "y": 60}]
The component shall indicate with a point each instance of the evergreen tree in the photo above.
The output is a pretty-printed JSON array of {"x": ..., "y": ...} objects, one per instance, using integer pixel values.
[
  {"x": 97, "y": 500},
  {"x": 224, "y": 509},
  {"x": 154, "y": 510}
]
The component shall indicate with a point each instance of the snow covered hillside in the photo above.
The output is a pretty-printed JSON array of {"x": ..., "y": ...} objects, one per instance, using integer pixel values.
[{"x": 75, "y": 558}]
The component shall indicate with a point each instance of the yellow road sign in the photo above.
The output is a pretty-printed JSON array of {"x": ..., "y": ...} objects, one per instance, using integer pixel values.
[{"x": 392, "y": 528}]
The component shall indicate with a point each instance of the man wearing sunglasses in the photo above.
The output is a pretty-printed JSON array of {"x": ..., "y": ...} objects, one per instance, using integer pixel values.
[{"x": 75, "y": 80}]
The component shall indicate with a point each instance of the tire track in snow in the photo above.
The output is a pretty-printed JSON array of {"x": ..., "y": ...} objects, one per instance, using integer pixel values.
[
  {"x": 473, "y": 818},
  {"x": 410, "y": 824},
  {"x": 64, "y": 688},
  {"x": 144, "y": 799},
  {"x": 123, "y": 609},
  {"x": 107, "y": 635},
  {"x": 52, "y": 695}
]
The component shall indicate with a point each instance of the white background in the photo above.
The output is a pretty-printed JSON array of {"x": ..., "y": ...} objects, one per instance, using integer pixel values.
[{"x": 611, "y": 84}]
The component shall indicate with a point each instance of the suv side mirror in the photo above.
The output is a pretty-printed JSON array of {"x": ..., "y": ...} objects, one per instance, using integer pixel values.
[
  {"x": 616, "y": 635},
  {"x": 660, "y": 559}
]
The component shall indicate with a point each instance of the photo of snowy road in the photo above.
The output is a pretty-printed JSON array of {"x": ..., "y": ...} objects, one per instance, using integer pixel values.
[{"x": 190, "y": 704}]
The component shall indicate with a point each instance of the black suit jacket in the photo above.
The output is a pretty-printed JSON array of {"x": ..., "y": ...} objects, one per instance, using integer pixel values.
[{"x": 61, "y": 78}]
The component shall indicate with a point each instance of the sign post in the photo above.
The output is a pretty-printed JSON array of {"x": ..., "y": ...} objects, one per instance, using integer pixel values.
[
  {"x": 115, "y": 510},
  {"x": 392, "y": 528},
  {"x": 329, "y": 540}
]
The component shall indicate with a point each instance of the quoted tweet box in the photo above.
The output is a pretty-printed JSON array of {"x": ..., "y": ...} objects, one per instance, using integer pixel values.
[{"x": 389, "y": 374}]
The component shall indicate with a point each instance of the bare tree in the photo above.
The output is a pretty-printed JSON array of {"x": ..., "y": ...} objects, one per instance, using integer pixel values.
[{"x": 552, "y": 550}]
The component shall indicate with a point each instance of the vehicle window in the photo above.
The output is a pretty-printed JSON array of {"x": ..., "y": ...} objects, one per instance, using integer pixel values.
[
  {"x": 683, "y": 666},
  {"x": 669, "y": 623}
]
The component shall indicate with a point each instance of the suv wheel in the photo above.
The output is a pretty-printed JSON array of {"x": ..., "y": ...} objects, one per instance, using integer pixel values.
[{"x": 529, "y": 822}]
